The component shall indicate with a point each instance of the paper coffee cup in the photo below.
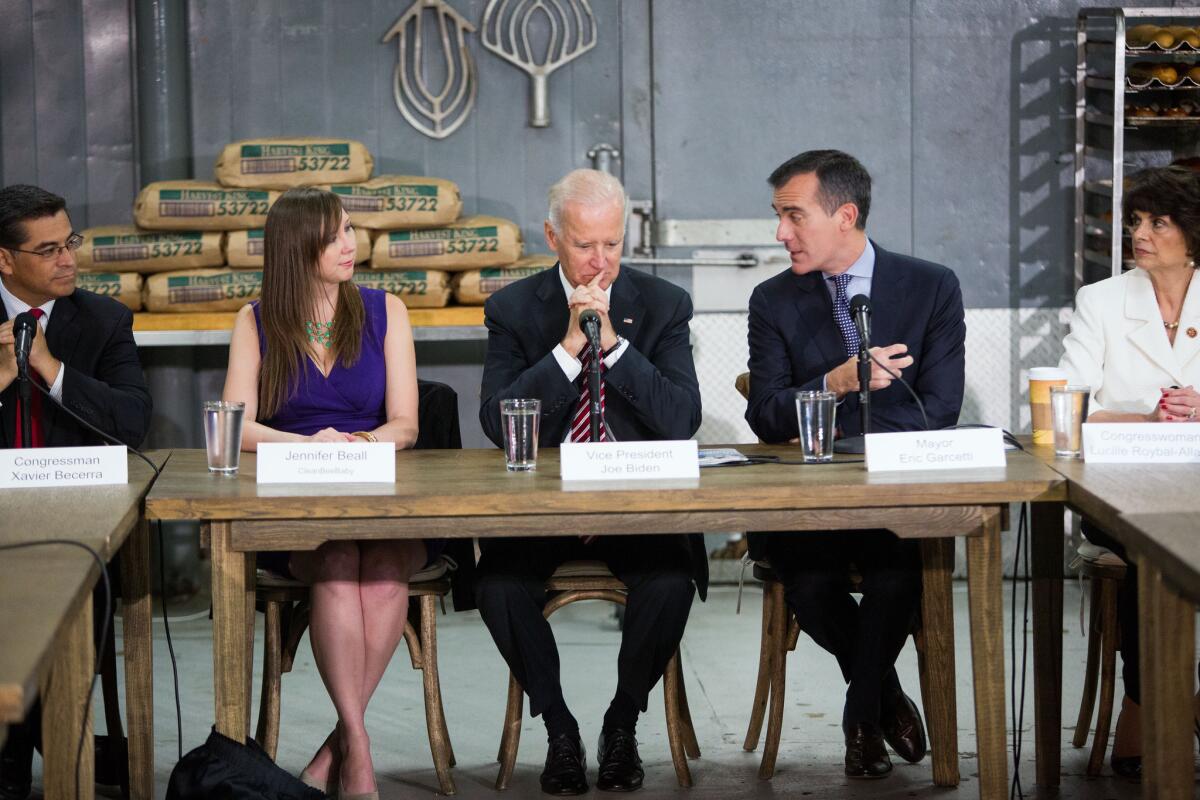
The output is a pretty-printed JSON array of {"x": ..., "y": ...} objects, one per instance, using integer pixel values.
[{"x": 1040, "y": 381}]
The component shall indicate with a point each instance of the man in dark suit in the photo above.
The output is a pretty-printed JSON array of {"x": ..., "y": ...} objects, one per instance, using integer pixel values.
[
  {"x": 83, "y": 353},
  {"x": 801, "y": 338},
  {"x": 537, "y": 350}
]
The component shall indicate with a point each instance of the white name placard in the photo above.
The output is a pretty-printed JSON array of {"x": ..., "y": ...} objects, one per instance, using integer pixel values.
[
  {"x": 63, "y": 466},
  {"x": 971, "y": 448},
  {"x": 607, "y": 461},
  {"x": 327, "y": 462},
  {"x": 1140, "y": 443}
]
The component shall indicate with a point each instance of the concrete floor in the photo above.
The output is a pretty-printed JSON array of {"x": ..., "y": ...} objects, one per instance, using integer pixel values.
[{"x": 719, "y": 652}]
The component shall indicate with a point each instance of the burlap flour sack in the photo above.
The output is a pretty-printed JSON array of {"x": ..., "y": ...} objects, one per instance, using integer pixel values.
[
  {"x": 400, "y": 202},
  {"x": 196, "y": 205},
  {"x": 125, "y": 248},
  {"x": 281, "y": 163},
  {"x": 124, "y": 287},
  {"x": 467, "y": 244},
  {"x": 475, "y": 287},
  {"x": 202, "y": 290},
  {"x": 245, "y": 248},
  {"x": 418, "y": 288}
]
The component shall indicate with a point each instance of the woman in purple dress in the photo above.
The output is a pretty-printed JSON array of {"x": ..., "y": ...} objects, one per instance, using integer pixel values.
[{"x": 319, "y": 359}]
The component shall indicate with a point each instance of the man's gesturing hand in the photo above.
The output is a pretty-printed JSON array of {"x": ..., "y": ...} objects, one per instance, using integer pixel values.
[{"x": 843, "y": 379}]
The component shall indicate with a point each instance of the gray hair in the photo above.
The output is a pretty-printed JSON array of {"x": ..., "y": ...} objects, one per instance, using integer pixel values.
[{"x": 588, "y": 186}]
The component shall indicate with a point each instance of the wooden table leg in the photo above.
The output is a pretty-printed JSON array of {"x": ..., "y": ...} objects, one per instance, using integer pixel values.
[
  {"x": 937, "y": 621},
  {"x": 1046, "y": 550},
  {"x": 136, "y": 618},
  {"x": 986, "y": 599},
  {"x": 64, "y": 713},
  {"x": 1168, "y": 641},
  {"x": 233, "y": 631}
]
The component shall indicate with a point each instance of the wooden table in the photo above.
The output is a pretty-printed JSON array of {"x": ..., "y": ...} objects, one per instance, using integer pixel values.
[
  {"x": 462, "y": 493},
  {"x": 1147, "y": 508},
  {"x": 46, "y": 620}
]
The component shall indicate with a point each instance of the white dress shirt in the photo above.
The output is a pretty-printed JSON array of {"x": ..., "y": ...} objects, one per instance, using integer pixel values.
[{"x": 13, "y": 305}]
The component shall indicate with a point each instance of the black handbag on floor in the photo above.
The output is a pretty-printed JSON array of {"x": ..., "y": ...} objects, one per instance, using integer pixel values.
[{"x": 222, "y": 769}]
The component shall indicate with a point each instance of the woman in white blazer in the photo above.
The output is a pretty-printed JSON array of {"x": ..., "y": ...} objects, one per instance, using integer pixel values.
[{"x": 1135, "y": 341}]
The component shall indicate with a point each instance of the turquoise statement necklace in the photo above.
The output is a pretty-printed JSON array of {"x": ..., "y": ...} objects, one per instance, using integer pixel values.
[{"x": 319, "y": 332}]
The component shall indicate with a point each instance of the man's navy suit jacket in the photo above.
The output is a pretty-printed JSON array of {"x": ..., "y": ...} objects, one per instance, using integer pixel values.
[
  {"x": 794, "y": 341},
  {"x": 103, "y": 381},
  {"x": 651, "y": 393}
]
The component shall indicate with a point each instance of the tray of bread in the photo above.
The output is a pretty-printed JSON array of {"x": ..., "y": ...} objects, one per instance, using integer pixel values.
[{"x": 1162, "y": 39}]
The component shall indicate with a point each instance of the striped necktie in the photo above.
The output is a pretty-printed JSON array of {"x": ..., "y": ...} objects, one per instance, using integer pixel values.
[
  {"x": 581, "y": 423},
  {"x": 841, "y": 313},
  {"x": 35, "y": 407}
]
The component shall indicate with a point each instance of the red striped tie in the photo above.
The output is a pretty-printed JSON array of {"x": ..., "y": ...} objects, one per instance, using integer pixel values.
[
  {"x": 581, "y": 425},
  {"x": 35, "y": 407}
]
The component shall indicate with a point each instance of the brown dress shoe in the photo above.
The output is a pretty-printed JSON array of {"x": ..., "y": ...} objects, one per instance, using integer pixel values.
[
  {"x": 902, "y": 726},
  {"x": 866, "y": 757}
]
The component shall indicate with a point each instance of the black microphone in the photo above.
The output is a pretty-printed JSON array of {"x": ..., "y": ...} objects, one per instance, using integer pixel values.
[
  {"x": 24, "y": 331},
  {"x": 860, "y": 312},
  {"x": 589, "y": 322}
]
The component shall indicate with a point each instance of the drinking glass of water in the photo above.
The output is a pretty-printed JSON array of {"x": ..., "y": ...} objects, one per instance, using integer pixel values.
[
  {"x": 223, "y": 435},
  {"x": 519, "y": 420}
]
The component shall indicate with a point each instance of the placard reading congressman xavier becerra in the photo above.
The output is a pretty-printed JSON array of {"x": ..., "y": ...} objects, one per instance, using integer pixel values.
[{"x": 63, "y": 466}]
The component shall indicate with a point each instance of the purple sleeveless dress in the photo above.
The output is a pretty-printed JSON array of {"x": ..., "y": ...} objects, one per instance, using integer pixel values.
[{"x": 349, "y": 399}]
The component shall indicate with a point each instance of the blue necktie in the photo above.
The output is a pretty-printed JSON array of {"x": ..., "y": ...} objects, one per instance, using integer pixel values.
[{"x": 841, "y": 313}]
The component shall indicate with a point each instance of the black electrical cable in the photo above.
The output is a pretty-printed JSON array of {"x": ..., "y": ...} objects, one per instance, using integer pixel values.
[
  {"x": 896, "y": 375},
  {"x": 162, "y": 571},
  {"x": 105, "y": 623},
  {"x": 1018, "y": 701},
  {"x": 105, "y": 436}
]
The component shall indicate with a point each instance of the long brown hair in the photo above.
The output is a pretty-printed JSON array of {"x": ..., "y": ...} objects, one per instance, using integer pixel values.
[{"x": 301, "y": 224}]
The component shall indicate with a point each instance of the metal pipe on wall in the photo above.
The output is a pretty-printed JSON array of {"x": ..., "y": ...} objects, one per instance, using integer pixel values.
[{"x": 164, "y": 131}]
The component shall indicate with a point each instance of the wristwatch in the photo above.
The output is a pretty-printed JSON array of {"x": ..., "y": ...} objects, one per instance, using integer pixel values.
[{"x": 615, "y": 347}]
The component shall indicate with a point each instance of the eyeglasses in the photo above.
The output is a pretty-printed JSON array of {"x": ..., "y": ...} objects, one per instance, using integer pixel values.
[{"x": 74, "y": 242}]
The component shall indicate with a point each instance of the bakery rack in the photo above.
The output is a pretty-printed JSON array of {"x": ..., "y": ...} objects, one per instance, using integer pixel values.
[{"x": 1104, "y": 86}]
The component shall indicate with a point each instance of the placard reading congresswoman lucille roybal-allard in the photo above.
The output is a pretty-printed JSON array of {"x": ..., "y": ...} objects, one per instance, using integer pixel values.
[
  {"x": 63, "y": 466},
  {"x": 1140, "y": 443}
]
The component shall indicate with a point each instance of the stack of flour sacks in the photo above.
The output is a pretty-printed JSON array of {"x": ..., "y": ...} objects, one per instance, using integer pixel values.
[{"x": 198, "y": 246}]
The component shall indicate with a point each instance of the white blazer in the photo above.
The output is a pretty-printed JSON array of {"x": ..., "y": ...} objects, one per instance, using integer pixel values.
[{"x": 1119, "y": 347}]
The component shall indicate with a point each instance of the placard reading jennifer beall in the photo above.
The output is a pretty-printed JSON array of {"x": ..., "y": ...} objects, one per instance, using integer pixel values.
[
  {"x": 970, "y": 448},
  {"x": 63, "y": 466},
  {"x": 327, "y": 462},
  {"x": 607, "y": 461},
  {"x": 1141, "y": 443}
]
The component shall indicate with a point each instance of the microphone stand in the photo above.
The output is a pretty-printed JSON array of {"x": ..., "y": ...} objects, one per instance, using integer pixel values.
[
  {"x": 864, "y": 385},
  {"x": 25, "y": 392},
  {"x": 593, "y": 335}
]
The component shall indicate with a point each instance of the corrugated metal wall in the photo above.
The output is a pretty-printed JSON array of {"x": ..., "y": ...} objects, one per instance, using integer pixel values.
[
  {"x": 66, "y": 100},
  {"x": 959, "y": 107}
]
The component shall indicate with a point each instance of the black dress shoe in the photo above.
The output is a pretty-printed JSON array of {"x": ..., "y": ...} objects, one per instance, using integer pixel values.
[
  {"x": 902, "y": 727},
  {"x": 112, "y": 761},
  {"x": 866, "y": 757},
  {"x": 566, "y": 763},
  {"x": 620, "y": 764},
  {"x": 1128, "y": 767}
]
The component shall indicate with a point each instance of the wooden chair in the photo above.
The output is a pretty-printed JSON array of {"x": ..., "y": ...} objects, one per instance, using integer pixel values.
[
  {"x": 1106, "y": 571},
  {"x": 780, "y": 634},
  {"x": 286, "y": 608},
  {"x": 592, "y": 580}
]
